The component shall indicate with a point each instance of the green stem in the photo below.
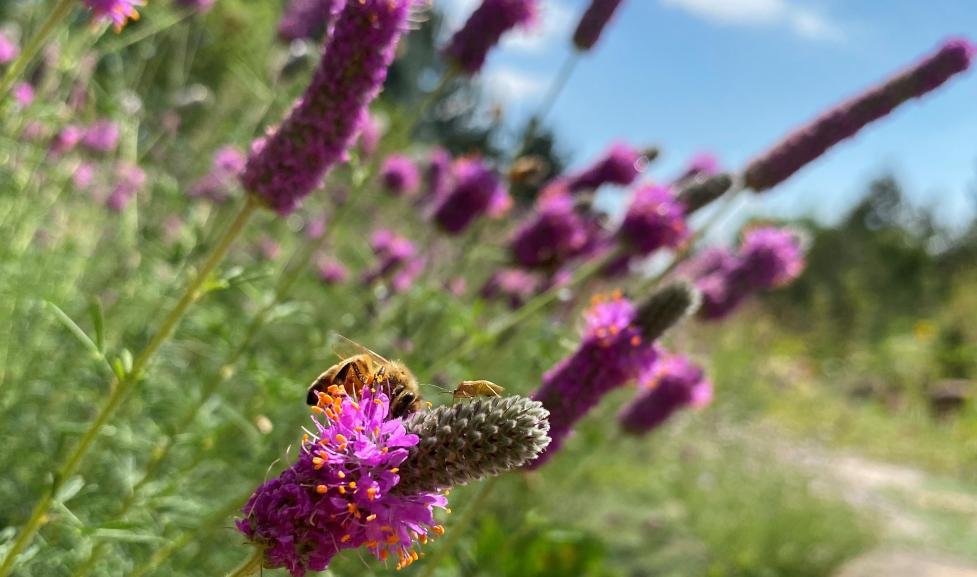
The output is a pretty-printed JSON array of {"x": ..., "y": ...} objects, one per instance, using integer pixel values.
[
  {"x": 458, "y": 529},
  {"x": 33, "y": 47},
  {"x": 121, "y": 386},
  {"x": 250, "y": 567}
]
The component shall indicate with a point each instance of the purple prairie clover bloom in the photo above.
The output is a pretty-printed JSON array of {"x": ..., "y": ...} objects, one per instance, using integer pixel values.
[
  {"x": 437, "y": 175},
  {"x": 612, "y": 353},
  {"x": 293, "y": 159},
  {"x": 399, "y": 175},
  {"x": 671, "y": 383},
  {"x": 315, "y": 227},
  {"x": 553, "y": 235},
  {"x": 712, "y": 273},
  {"x": 593, "y": 22},
  {"x": 66, "y": 139},
  {"x": 83, "y": 176},
  {"x": 331, "y": 271},
  {"x": 513, "y": 285},
  {"x": 476, "y": 188},
  {"x": 102, "y": 136},
  {"x": 24, "y": 94},
  {"x": 470, "y": 45},
  {"x": 129, "y": 180},
  {"x": 392, "y": 253},
  {"x": 404, "y": 278},
  {"x": 769, "y": 257},
  {"x": 226, "y": 167},
  {"x": 307, "y": 19},
  {"x": 118, "y": 12},
  {"x": 621, "y": 165},
  {"x": 809, "y": 142},
  {"x": 338, "y": 494},
  {"x": 701, "y": 164},
  {"x": 654, "y": 220},
  {"x": 8, "y": 49}
]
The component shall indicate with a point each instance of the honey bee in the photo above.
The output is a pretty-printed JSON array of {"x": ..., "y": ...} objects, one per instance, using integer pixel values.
[
  {"x": 472, "y": 389},
  {"x": 360, "y": 367}
]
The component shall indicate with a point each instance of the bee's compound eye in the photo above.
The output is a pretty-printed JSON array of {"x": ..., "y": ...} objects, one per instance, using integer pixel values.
[{"x": 313, "y": 397}]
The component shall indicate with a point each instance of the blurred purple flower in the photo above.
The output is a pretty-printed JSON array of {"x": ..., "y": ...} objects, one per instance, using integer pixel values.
[
  {"x": 392, "y": 252},
  {"x": 66, "y": 139},
  {"x": 437, "y": 175},
  {"x": 552, "y": 235},
  {"x": 612, "y": 353},
  {"x": 411, "y": 270},
  {"x": 8, "y": 49},
  {"x": 399, "y": 175},
  {"x": 83, "y": 176},
  {"x": 226, "y": 167},
  {"x": 671, "y": 383},
  {"x": 513, "y": 285},
  {"x": 593, "y": 22},
  {"x": 268, "y": 248},
  {"x": 620, "y": 165},
  {"x": 470, "y": 45},
  {"x": 701, "y": 164},
  {"x": 369, "y": 135},
  {"x": 338, "y": 495},
  {"x": 654, "y": 220},
  {"x": 457, "y": 286},
  {"x": 293, "y": 159},
  {"x": 769, "y": 257},
  {"x": 315, "y": 227},
  {"x": 129, "y": 180},
  {"x": 24, "y": 94},
  {"x": 845, "y": 120},
  {"x": 198, "y": 5},
  {"x": 102, "y": 136},
  {"x": 331, "y": 271},
  {"x": 475, "y": 190},
  {"x": 307, "y": 19},
  {"x": 118, "y": 12}
]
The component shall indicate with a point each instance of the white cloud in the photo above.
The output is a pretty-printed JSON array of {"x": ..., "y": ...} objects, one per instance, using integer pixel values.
[
  {"x": 802, "y": 21},
  {"x": 511, "y": 85}
]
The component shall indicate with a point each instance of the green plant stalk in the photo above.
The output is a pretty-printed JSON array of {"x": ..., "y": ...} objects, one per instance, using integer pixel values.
[
  {"x": 458, "y": 529},
  {"x": 250, "y": 567},
  {"x": 33, "y": 47},
  {"x": 291, "y": 275},
  {"x": 512, "y": 319},
  {"x": 121, "y": 386}
]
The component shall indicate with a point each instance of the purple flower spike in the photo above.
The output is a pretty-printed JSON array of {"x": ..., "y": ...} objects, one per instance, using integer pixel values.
[
  {"x": 118, "y": 12},
  {"x": 469, "y": 46},
  {"x": 392, "y": 251},
  {"x": 217, "y": 185},
  {"x": 844, "y": 121},
  {"x": 672, "y": 383},
  {"x": 514, "y": 285},
  {"x": 399, "y": 175},
  {"x": 8, "y": 50},
  {"x": 593, "y": 22},
  {"x": 612, "y": 353},
  {"x": 655, "y": 220},
  {"x": 102, "y": 137},
  {"x": 475, "y": 190},
  {"x": 369, "y": 136},
  {"x": 130, "y": 179},
  {"x": 331, "y": 271},
  {"x": 621, "y": 165},
  {"x": 307, "y": 19},
  {"x": 701, "y": 164},
  {"x": 292, "y": 161},
  {"x": 769, "y": 257},
  {"x": 437, "y": 176},
  {"x": 338, "y": 495},
  {"x": 552, "y": 236}
]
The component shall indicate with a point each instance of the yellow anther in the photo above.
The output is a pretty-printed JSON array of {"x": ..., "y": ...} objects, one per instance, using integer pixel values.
[
  {"x": 371, "y": 517},
  {"x": 345, "y": 538},
  {"x": 321, "y": 489}
]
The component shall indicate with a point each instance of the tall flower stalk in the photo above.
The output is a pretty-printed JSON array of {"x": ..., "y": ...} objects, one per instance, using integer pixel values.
[{"x": 123, "y": 383}]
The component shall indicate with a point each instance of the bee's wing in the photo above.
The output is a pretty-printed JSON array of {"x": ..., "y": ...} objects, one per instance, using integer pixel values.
[{"x": 347, "y": 348}]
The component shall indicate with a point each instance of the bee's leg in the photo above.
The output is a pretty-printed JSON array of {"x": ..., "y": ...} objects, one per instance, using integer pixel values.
[{"x": 360, "y": 381}]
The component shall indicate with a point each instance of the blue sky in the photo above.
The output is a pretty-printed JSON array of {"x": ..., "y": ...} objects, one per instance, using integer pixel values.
[{"x": 731, "y": 76}]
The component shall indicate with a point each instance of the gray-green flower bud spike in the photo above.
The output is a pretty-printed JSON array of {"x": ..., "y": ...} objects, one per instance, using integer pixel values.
[
  {"x": 666, "y": 308},
  {"x": 467, "y": 441},
  {"x": 703, "y": 190}
]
